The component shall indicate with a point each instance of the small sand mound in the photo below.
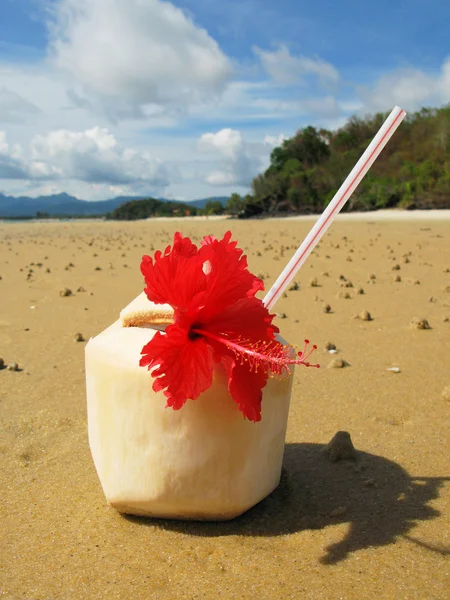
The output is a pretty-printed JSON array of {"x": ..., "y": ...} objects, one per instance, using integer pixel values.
[
  {"x": 417, "y": 323},
  {"x": 340, "y": 447},
  {"x": 338, "y": 363},
  {"x": 364, "y": 315}
]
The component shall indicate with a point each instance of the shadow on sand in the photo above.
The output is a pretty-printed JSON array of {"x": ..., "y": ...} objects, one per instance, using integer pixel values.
[{"x": 375, "y": 496}]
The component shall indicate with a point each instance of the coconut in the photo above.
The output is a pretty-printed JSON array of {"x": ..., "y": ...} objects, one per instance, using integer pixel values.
[{"x": 204, "y": 461}]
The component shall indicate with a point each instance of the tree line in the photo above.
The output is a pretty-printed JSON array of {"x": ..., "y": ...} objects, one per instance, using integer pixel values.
[
  {"x": 151, "y": 207},
  {"x": 306, "y": 170}
]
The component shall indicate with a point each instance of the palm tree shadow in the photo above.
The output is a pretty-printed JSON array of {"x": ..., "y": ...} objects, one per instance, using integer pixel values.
[{"x": 377, "y": 498}]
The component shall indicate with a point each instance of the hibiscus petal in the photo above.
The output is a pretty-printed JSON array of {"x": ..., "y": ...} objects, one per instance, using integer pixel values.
[
  {"x": 247, "y": 318},
  {"x": 175, "y": 276},
  {"x": 228, "y": 278},
  {"x": 245, "y": 386},
  {"x": 184, "y": 366}
]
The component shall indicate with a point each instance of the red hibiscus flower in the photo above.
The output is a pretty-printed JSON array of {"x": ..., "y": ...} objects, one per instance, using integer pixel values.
[{"x": 217, "y": 319}]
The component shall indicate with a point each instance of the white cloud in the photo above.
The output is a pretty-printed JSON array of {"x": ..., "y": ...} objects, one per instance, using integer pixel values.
[
  {"x": 11, "y": 165},
  {"x": 274, "y": 140},
  {"x": 409, "y": 88},
  {"x": 239, "y": 161},
  {"x": 132, "y": 57},
  {"x": 228, "y": 142},
  {"x": 93, "y": 156},
  {"x": 286, "y": 69}
]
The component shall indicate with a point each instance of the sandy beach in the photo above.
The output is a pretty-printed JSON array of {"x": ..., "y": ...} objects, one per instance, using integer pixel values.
[{"x": 377, "y": 527}]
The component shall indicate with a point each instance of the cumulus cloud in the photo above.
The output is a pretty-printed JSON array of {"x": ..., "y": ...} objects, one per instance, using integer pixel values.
[
  {"x": 11, "y": 165},
  {"x": 133, "y": 57},
  {"x": 286, "y": 69},
  {"x": 239, "y": 161},
  {"x": 274, "y": 140},
  {"x": 93, "y": 156},
  {"x": 409, "y": 88}
]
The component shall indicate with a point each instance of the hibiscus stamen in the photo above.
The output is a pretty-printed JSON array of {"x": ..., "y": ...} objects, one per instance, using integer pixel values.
[
  {"x": 272, "y": 356},
  {"x": 305, "y": 356}
]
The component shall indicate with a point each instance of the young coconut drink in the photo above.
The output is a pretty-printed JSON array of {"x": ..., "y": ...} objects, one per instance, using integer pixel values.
[{"x": 188, "y": 391}]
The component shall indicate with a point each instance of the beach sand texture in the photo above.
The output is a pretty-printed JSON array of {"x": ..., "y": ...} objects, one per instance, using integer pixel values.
[{"x": 377, "y": 527}]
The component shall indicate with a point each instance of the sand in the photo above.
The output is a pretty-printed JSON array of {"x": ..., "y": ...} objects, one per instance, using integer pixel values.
[{"x": 377, "y": 527}]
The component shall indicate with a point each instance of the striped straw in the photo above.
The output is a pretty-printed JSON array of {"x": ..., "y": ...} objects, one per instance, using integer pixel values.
[{"x": 340, "y": 198}]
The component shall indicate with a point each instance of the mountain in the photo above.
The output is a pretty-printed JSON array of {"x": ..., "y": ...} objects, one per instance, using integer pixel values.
[
  {"x": 57, "y": 204},
  {"x": 66, "y": 205}
]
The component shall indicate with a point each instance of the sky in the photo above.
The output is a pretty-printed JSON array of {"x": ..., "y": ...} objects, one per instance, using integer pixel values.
[{"x": 187, "y": 99}]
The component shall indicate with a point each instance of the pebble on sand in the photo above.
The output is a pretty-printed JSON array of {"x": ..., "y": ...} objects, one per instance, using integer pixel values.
[
  {"x": 2, "y": 363},
  {"x": 417, "y": 323},
  {"x": 79, "y": 338},
  {"x": 294, "y": 286},
  {"x": 326, "y": 308},
  {"x": 364, "y": 315},
  {"x": 13, "y": 366},
  {"x": 340, "y": 447},
  {"x": 65, "y": 292}
]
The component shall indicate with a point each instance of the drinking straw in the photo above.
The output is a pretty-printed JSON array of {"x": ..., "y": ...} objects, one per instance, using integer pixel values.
[{"x": 340, "y": 198}]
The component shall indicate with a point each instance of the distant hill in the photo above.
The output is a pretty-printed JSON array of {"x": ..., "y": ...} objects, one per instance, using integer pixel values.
[{"x": 66, "y": 205}]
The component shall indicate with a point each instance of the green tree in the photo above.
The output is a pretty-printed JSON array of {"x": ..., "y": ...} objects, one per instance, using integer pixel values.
[
  {"x": 235, "y": 204},
  {"x": 213, "y": 207},
  {"x": 144, "y": 209}
]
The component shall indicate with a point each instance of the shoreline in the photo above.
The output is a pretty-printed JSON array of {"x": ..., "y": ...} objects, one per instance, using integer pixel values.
[
  {"x": 378, "y": 215},
  {"x": 385, "y": 215}
]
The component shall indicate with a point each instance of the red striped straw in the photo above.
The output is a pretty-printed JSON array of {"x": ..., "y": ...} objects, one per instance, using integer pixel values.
[{"x": 340, "y": 198}]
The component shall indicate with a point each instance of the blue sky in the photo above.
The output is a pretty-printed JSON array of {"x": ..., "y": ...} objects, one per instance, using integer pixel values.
[{"x": 187, "y": 99}]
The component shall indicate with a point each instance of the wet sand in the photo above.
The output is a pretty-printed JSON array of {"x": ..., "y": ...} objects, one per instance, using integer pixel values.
[{"x": 377, "y": 527}]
